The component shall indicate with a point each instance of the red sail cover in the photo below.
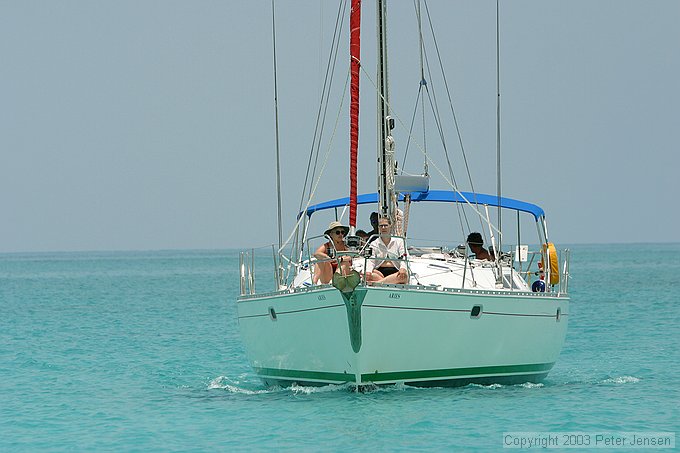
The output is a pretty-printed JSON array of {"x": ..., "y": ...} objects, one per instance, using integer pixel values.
[{"x": 355, "y": 61}]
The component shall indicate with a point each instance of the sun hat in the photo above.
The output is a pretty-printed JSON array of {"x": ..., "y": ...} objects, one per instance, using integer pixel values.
[
  {"x": 334, "y": 225},
  {"x": 475, "y": 239}
]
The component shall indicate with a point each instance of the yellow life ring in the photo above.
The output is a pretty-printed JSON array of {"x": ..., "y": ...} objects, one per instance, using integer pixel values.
[{"x": 549, "y": 248}]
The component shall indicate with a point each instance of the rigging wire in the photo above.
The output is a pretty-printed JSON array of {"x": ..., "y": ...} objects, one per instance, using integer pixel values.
[
  {"x": 302, "y": 211},
  {"x": 462, "y": 216},
  {"x": 423, "y": 81},
  {"x": 325, "y": 95},
  {"x": 321, "y": 114},
  {"x": 424, "y": 62},
  {"x": 472, "y": 204},
  {"x": 323, "y": 107},
  {"x": 448, "y": 93},
  {"x": 410, "y": 131}
]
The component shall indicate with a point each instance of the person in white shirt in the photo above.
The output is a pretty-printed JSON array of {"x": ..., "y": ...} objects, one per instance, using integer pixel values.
[{"x": 380, "y": 268}]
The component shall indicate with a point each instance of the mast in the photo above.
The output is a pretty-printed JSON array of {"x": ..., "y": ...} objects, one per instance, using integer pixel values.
[
  {"x": 276, "y": 116},
  {"x": 386, "y": 166},
  {"x": 355, "y": 63},
  {"x": 498, "y": 125}
]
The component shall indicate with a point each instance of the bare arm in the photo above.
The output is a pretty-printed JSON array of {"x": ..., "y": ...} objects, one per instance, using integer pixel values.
[{"x": 320, "y": 253}]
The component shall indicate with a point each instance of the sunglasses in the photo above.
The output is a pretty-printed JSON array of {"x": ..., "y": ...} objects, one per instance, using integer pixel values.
[{"x": 337, "y": 232}]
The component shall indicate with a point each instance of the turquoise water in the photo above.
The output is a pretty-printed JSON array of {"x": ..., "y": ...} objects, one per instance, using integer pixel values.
[{"x": 140, "y": 351}]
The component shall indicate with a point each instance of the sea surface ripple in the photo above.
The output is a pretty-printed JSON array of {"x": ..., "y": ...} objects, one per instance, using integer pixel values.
[{"x": 140, "y": 351}]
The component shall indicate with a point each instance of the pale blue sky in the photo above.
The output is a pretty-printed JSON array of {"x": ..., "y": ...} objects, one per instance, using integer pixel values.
[{"x": 149, "y": 124}]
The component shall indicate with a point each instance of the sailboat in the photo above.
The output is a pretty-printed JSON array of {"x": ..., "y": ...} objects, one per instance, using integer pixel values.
[{"x": 458, "y": 318}]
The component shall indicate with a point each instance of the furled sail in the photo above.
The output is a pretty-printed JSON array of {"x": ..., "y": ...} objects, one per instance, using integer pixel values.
[{"x": 355, "y": 62}]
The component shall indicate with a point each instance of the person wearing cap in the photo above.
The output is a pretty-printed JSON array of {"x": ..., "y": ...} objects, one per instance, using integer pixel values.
[
  {"x": 382, "y": 269},
  {"x": 323, "y": 271},
  {"x": 374, "y": 233},
  {"x": 476, "y": 243},
  {"x": 364, "y": 237}
]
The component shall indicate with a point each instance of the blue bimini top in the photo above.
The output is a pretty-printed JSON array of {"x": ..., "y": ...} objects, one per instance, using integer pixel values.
[{"x": 446, "y": 196}]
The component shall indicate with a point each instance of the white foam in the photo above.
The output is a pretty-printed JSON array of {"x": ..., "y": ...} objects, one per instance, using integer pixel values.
[
  {"x": 532, "y": 385},
  {"x": 235, "y": 386},
  {"x": 307, "y": 390},
  {"x": 489, "y": 387},
  {"x": 223, "y": 383},
  {"x": 396, "y": 387},
  {"x": 621, "y": 380}
]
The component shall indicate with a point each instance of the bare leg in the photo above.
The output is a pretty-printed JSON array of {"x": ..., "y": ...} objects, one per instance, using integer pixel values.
[
  {"x": 323, "y": 272},
  {"x": 345, "y": 266},
  {"x": 395, "y": 278},
  {"x": 374, "y": 276}
]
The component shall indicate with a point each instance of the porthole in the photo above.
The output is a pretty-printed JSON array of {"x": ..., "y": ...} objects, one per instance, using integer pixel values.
[
  {"x": 272, "y": 314},
  {"x": 476, "y": 311}
]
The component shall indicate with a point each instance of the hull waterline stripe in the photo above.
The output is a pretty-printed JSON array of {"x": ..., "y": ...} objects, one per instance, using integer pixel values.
[
  {"x": 449, "y": 373},
  {"x": 306, "y": 375},
  {"x": 456, "y": 372}
]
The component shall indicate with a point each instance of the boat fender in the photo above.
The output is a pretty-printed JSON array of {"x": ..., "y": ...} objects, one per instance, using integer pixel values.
[
  {"x": 549, "y": 248},
  {"x": 538, "y": 286}
]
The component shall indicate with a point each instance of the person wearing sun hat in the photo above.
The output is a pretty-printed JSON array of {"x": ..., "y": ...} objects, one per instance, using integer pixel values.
[
  {"x": 324, "y": 269},
  {"x": 333, "y": 226},
  {"x": 476, "y": 243}
]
